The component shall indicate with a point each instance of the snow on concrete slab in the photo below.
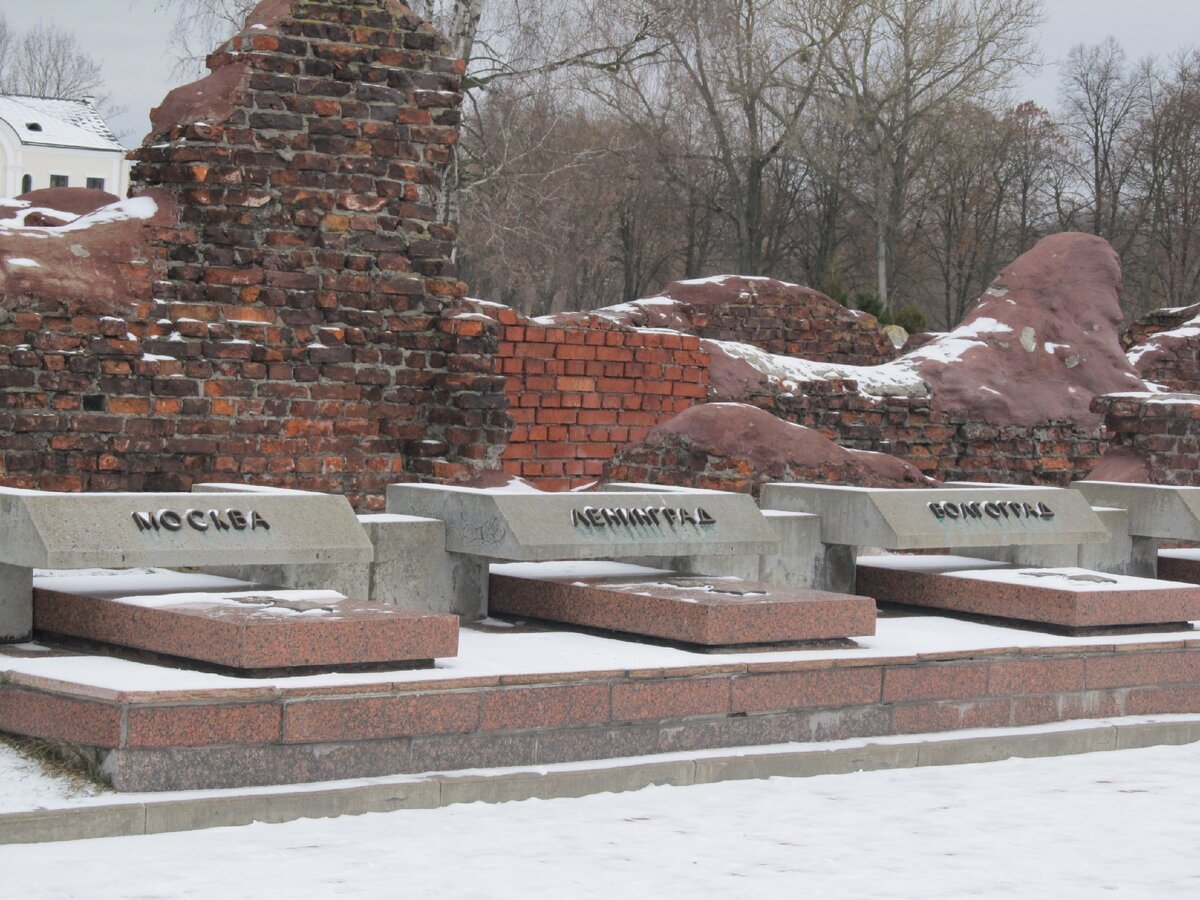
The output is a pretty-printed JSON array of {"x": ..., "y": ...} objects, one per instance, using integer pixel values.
[
  {"x": 575, "y": 570},
  {"x": 1190, "y": 555},
  {"x": 901, "y": 562},
  {"x": 262, "y": 600},
  {"x": 1079, "y": 581},
  {"x": 129, "y": 581}
]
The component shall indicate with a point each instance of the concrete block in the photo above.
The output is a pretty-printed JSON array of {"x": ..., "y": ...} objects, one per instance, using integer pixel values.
[
  {"x": 900, "y": 519},
  {"x": 569, "y": 783},
  {"x": 802, "y": 560},
  {"x": 538, "y": 527},
  {"x": 1168, "y": 513},
  {"x": 220, "y": 812},
  {"x": 83, "y": 823},
  {"x": 16, "y": 604},
  {"x": 1154, "y": 734},
  {"x": 1027, "y": 746},
  {"x": 412, "y": 568},
  {"x": 44, "y": 530},
  {"x": 806, "y": 763}
]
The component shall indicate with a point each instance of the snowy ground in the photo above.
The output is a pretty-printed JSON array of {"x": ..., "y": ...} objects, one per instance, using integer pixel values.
[
  {"x": 1123, "y": 823},
  {"x": 25, "y": 785}
]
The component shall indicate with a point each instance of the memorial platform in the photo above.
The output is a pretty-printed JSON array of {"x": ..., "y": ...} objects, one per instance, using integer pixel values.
[
  {"x": 533, "y": 696},
  {"x": 690, "y": 610},
  {"x": 1069, "y": 599}
]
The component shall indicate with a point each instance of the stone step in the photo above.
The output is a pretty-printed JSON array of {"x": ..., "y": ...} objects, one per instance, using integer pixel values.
[
  {"x": 690, "y": 610},
  {"x": 1070, "y": 599}
]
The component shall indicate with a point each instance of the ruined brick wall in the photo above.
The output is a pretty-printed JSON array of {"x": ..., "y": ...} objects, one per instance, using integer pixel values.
[
  {"x": 943, "y": 445},
  {"x": 300, "y": 329},
  {"x": 1162, "y": 430},
  {"x": 578, "y": 394},
  {"x": 813, "y": 331},
  {"x": 1155, "y": 322},
  {"x": 1164, "y": 346},
  {"x": 787, "y": 319}
]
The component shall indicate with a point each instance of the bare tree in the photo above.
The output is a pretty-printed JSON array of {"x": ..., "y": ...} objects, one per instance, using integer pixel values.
[
  {"x": 1102, "y": 106},
  {"x": 47, "y": 61},
  {"x": 897, "y": 69},
  {"x": 750, "y": 68},
  {"x": 6, "y": 40}
]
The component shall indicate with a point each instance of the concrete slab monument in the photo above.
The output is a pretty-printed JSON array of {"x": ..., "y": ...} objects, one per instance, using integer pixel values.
[
  {"x": 922, "y": 519},
  {"x": 1157, "y": 513},
  {"x": 44, "y": 530},
  {"x": 702, "y": 528}
]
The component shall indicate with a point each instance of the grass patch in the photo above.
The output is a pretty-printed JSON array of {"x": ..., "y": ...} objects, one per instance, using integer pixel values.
[{"x": 76, "y": 766}]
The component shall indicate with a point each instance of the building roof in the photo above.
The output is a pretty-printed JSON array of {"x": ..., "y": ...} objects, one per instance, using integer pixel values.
[{"x": 43, "y": 122}]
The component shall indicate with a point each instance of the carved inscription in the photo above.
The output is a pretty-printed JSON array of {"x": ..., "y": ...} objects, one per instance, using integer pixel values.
[
  {"x": 990, "y": 509},
  {"x": 608, "y": 517},
  {"x": 200, "y": 520}
]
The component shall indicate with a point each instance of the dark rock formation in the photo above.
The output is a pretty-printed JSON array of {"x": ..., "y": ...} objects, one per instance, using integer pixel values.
[{"x": 1043, "y": 341}]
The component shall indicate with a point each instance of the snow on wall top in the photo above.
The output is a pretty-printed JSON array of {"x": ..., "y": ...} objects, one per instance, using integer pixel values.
[{"x": 43, "y": 122}]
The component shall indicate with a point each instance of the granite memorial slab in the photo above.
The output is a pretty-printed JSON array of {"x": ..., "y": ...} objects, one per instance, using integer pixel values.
[
  {"x": 226, "y": 624},
  {"x": 1067, "y": 599},
  {"x": 689, "y": 610}
]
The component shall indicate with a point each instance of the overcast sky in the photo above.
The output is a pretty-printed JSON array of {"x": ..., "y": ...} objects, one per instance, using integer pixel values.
[{"x": 129, "y": 38}]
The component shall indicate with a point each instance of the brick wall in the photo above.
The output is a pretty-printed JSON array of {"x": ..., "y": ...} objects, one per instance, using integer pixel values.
[
  {"x": 943, "y": 445},
  {"x": 1163, "y": 430},
  {"x": 782, "y": 318},
  {"x": 300, "y": 329},
  {"x": 577, "y": 394},
  {"x": 1155, "y": 322}
]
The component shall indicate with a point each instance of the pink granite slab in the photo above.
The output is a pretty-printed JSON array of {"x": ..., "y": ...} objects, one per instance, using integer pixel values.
[
  {"x": 691, "y": 610},
  {"x": 249, "y": 632},
  {"x": 1067, "y": 598}
]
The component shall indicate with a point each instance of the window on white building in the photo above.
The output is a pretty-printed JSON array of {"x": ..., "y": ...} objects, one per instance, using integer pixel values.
[
  {"x": 26, "y": 184},
  {"x": 96, "y": 184},
  {"x": 59, "y": 181}
]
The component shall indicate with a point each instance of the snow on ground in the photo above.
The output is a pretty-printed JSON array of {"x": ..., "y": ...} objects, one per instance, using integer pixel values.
[
  {"x": 24, "y": 785},
  {"x": 1074, "y": 827}
]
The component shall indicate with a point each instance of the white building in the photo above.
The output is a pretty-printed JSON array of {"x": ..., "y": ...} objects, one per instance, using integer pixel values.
[{"x": 57, "y": 143}]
